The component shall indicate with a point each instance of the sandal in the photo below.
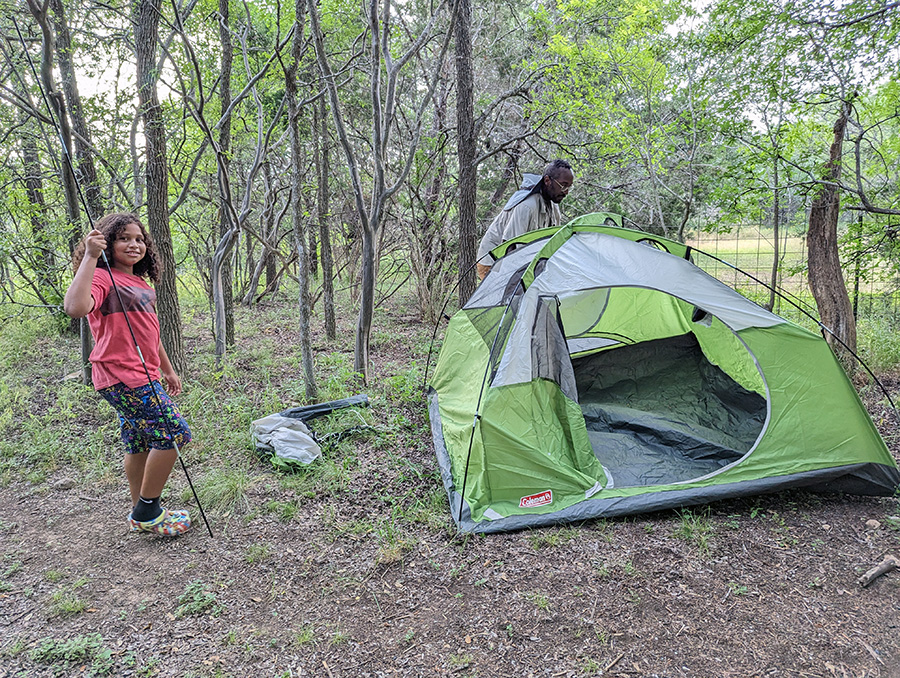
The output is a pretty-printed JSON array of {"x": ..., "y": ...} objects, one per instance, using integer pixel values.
[{"x": 167, "y": 523}]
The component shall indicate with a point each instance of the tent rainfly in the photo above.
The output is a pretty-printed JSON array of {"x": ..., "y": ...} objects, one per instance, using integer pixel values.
[{"x": 598, "y": 372}]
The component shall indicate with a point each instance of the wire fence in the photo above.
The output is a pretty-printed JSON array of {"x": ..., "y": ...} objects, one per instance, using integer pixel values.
[{"x": 872, "y": 279}]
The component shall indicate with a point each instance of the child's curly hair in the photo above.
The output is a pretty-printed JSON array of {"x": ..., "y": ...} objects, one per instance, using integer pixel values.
[{"x": 110, "y": 226}]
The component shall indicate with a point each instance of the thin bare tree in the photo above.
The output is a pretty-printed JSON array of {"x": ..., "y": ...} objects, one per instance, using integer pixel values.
[{"x": 384, "y": 73}]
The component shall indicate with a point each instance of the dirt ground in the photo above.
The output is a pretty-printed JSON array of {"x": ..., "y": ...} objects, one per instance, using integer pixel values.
[
  {"x": 764, "y": 586},
  {"x": 776, "y": 594}
]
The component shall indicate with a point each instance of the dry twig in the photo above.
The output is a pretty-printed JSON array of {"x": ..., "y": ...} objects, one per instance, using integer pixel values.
[{"x": 889, "y": 563}]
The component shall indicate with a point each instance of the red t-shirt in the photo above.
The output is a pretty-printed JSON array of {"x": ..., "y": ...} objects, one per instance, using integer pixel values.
[{"x": 114, "y": 357}]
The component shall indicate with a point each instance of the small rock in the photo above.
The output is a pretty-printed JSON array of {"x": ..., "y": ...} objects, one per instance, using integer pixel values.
[
  {"x": 826, "y": 527},
  {"x": 64, "y": 484},
  {"x": 873, "y": 524}
]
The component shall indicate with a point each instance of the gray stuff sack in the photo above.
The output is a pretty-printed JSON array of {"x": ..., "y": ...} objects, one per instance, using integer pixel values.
[{"x": 289, "y": 438}]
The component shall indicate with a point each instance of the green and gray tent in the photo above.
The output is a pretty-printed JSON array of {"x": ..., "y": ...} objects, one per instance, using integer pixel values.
[{"x": 598, "y": 372}]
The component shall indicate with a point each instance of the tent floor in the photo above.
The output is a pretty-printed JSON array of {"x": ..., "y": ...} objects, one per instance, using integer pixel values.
[{"x": 659, "y": 412}]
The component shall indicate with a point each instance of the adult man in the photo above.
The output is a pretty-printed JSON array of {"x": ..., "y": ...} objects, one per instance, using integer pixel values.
[{"x": 535, "y": 205}]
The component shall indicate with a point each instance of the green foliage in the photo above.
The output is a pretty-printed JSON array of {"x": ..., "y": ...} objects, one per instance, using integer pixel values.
[
  {"x": 257, "y": 553},
  {"x": 305, "y": 635},
  {"x": 540, "y": 600},
  {"x": 197, "y": 600},
  {"x": 551, "y": 537},
  {"x": 878, "y": 338},
  {"x": 224, "y": 489},
  {"x": 66, "y": 603},
  {"x": 695, "y": 528},
  {"x": 87, "y": 650}
]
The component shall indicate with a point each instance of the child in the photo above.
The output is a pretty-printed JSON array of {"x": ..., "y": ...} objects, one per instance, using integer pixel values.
[{"x": 150, "y": 424}]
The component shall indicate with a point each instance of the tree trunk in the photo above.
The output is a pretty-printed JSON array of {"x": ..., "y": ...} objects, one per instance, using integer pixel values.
[
  {"x": 47, "y": 281},
  {"x": 146, "y": 25},
  {"x": 87, "y": 173},
  {"x": 826, "y": 280},
  {"x": 48, "y": 48},
  {"x": 776, "y": 235},
  {"x": 465, "y": 125},
  {"x": 67, "y": 177},
  {"x": 366, "y": 304},
  {"x": 225, "y": 148},
  {"x": 270, "y": 235},
  {"x": 323, "y": 197},
  {"x": 291, "y": 92}
]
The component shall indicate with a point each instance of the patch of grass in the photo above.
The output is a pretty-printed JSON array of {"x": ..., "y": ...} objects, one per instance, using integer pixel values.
[
  {"x": 460, "y": 660},
  {"x": 878, "y": 337},
  {"x": 89, "y": 650},
  {"x": 392, "y": 543},
  {"x": 589, "y": 666},
  {"x": 21, "y": 343},
  {"x": 339, "y": 637},
  {"x": 224, "y": 489},
  {"x": 604, "y": 527},
  {"x": 11, "y": 565},
  {"x": 893, "y": 523},
  {"x": 15, "y": 648},
  {"x": 540, "y": 600},
  {"x": 196, "y": 600},
  {"x": 285, "y": 511},
  {"x": 355, "y": 528},
  {"x": 737, "y": 589},
  {"x": 54, "y": 575},
  {"x": 694, "y": 528},
  {"x": 305, "y": 635},
  {"x": 326, "y": 476},
  {"x": 342, "y": 380},
  {"x": 405, "y": 387},
  {"x": 549, "y": 538},
  {"x": 432, "y": 510},
  {"x": 256, "y": 553},
  {"x": 66, "y": 603}
]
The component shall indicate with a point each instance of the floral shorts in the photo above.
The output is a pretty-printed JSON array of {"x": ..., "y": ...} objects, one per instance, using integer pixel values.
[{"x": 145, "y": 422}]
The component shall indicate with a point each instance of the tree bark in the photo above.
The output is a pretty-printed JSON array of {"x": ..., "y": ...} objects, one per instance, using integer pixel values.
[
  {"x": 48, "y": 48},
  {"x": 826, "y": 280},
  {"x": 385, "y": 68},
  {"x": 70, "y": 188},
  {"x": 465, "y": 125},
  {"x": 225, "y": 149},
  {"x": 323, "y": 198},
  {"x": 146, "y": 26},
  {"x": 776, "y": 234},
  {"x": 292, "y": 95},
  {"x": 270, "y": 234},
  {"x": 86, "y": 171},
  {"x": 47, "y": 282}
]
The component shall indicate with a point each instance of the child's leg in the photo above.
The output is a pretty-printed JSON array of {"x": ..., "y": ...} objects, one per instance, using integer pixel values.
[
  {"x": 151, "y": 427},
  {"x": 156, "y": 471},
  {"x": 134, "y": 471}
]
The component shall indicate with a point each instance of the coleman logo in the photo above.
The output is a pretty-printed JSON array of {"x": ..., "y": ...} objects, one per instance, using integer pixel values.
[{"x": 540, "y": 499}]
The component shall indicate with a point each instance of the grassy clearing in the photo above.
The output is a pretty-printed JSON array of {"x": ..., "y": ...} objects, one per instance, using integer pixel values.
[
  {"x": 53, "y": 427},
  {"x": 879, "y": 340}
]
